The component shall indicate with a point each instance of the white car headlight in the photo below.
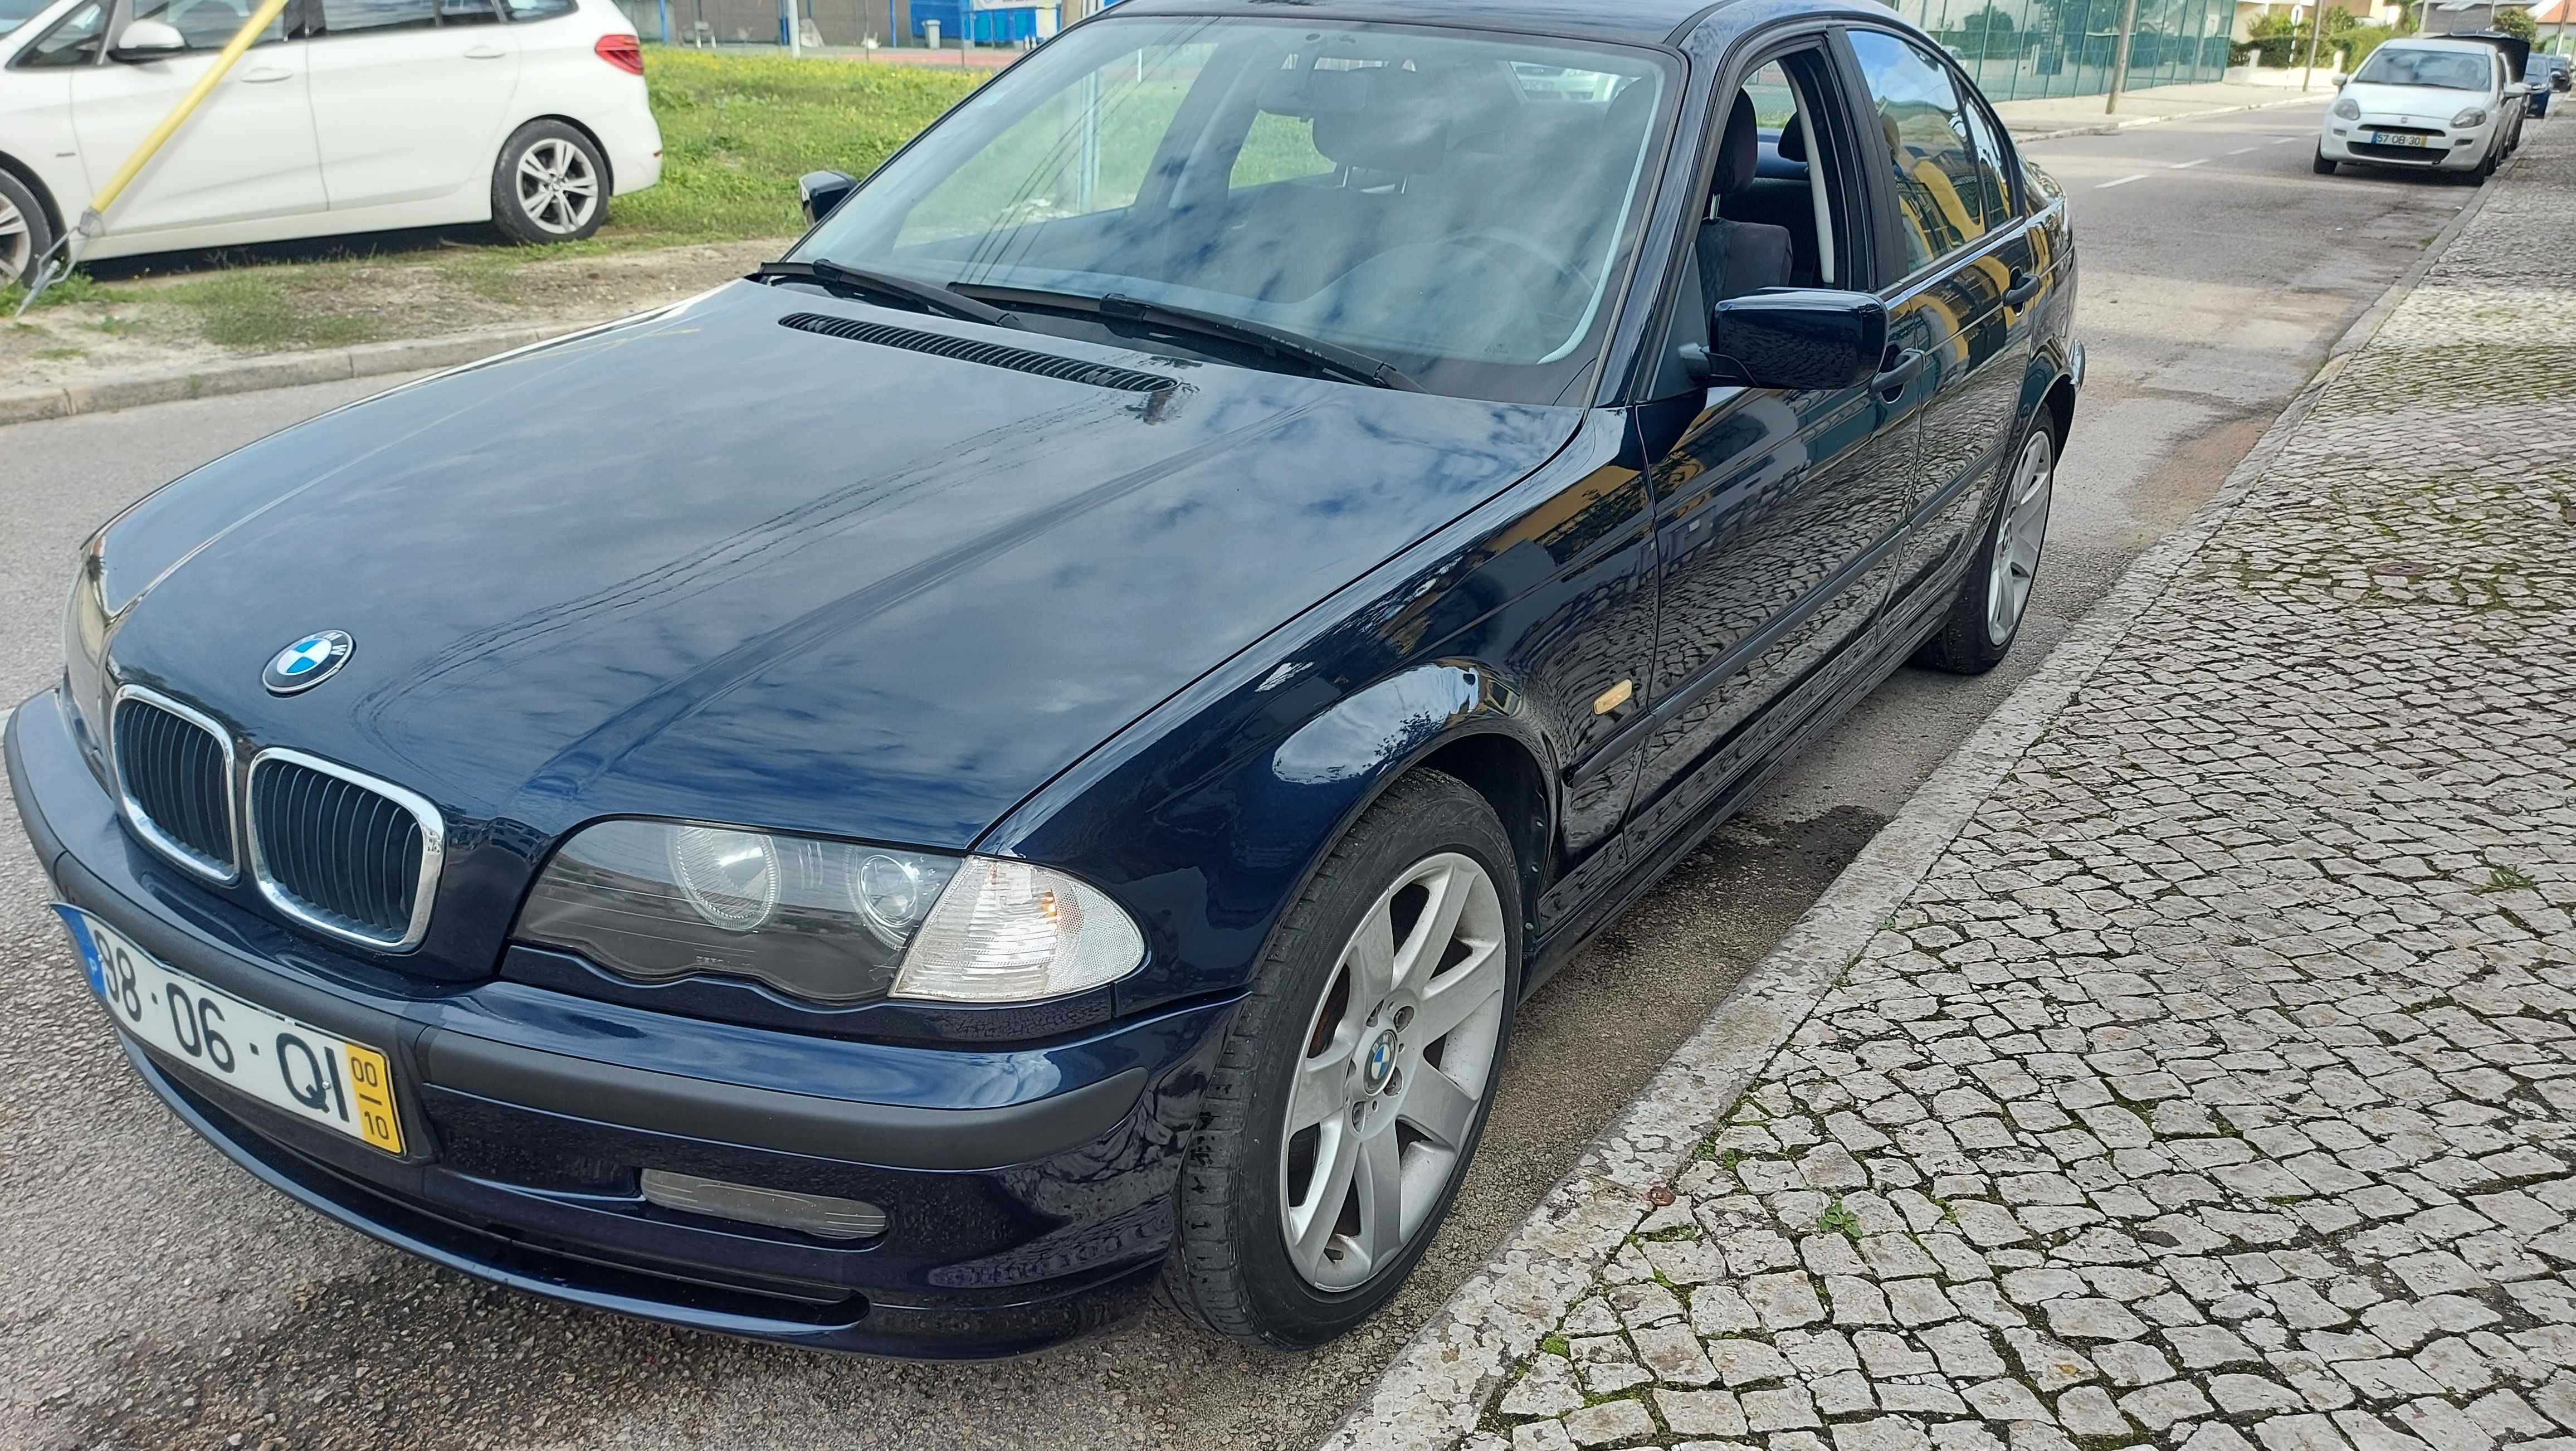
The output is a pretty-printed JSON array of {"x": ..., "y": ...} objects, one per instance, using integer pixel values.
[
  {"x": 2470, "y": 116},
  {"x": 830, "y": 922},
  {"x": 2348, "y": 108}
]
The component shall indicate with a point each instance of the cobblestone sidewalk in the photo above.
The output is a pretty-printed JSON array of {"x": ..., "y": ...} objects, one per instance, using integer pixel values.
[{"x": 2217, "y": 1088}]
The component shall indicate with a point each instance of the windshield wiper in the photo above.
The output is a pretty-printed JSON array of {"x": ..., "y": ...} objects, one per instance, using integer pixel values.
[
  {"x": 888, "y": 284},
  {"x": 1277, "y": 342}
]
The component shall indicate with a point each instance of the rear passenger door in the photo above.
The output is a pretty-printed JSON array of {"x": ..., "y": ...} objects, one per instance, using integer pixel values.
[
  {"x": 409, "y": 97},
  {"x": 1967, "y": 273}
]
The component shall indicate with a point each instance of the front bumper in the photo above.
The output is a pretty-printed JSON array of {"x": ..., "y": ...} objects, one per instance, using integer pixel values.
[
  {"x": 1029, "y": 1192},
  {"x": 2446, "y": 148}
]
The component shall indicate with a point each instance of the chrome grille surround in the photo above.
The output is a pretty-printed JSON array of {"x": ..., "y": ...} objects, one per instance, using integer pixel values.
[
  {"x": 224, "y": 872},
  {"x": 424, "y": 817}
]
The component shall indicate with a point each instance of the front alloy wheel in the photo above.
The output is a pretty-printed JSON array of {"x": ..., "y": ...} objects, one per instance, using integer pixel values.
[
  {"x": 1398, "y": 1058},
  {"x": 550, "y": 184},
  {"x": 1356, "y": 1075}
]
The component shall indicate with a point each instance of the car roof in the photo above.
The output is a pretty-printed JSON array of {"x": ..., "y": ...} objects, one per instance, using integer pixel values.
[
  {"x": 1634, "y": 22},
  {"x": 2434, "y": 42}
]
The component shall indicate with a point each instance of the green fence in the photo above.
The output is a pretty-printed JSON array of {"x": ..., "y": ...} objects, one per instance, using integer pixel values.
[{"x": 2025, "y": 48}]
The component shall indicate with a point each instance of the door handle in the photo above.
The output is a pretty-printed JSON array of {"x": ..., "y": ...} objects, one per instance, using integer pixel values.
[
  {"x": 1900, "y": 370},
  {"x": 2025, "y": 286},
  {"x": 485, "y": 52},
  {"x": 265, "y": 75}
]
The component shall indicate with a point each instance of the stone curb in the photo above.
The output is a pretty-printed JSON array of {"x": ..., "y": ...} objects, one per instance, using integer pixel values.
[
  {"x": 1430, "y": 1394},
  {"x": 251, "y": 375},
  {"x": 2110, "y": 128}
]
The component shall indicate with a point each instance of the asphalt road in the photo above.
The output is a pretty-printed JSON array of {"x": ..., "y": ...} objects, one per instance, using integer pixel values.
[{"x": 152, "y": 1295}]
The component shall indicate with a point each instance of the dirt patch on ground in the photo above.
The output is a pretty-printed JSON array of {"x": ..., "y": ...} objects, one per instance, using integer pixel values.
[{"x": 98, "y": 330}]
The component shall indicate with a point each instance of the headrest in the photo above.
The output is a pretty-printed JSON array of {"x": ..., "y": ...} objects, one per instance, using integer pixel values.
[
  {"x": 1740, "y": 150},
  {"x": 1400, "y": 124},
  {"x": 1793, "y": 139}
]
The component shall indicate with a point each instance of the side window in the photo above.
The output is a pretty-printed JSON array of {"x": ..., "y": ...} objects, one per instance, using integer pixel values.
[
  {"x": 207, "y": 24},
  {"x": 1994, "y": 163},
  {"x": 348, "y": 17},
  {"x": 1938, "y": 202},
  {"x": 469, "y": 12},
  {"x": 537, "y": 9},
  {"x": 73, "y": 42}
]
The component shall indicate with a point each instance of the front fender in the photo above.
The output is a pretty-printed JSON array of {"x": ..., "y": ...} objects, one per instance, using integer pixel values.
[{"x": 1209, "y": 868}]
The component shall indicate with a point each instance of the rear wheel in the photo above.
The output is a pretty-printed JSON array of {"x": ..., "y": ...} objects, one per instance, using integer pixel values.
[
  {"x": 1355, "y": 1080},
  {"x": 24, "y": 233},
  {"x": 550, "y": 185},
  {"x": 1986, "y": 617},
  {"x": 2323, "y": 166}
]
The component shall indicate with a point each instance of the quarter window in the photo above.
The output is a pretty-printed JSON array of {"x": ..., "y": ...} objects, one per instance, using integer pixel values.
[
  {"x": 1994, "y": 193},
  {"x": 1940, "y": 198},
  {"x": 74, "y": 42}
]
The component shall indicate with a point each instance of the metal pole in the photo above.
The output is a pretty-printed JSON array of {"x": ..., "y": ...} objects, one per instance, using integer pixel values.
[
  {"x": 2316, "y": 33},
  {"x": 2120, "y": 55}
]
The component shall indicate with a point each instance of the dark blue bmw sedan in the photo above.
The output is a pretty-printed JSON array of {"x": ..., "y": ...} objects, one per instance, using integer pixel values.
[{"x": 1033, "y": 746}]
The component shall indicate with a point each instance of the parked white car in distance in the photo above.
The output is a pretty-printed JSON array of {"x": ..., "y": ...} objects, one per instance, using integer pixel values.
[
  {"x": 2426, "y": 104},
  {"x": 346, "y": 116}
]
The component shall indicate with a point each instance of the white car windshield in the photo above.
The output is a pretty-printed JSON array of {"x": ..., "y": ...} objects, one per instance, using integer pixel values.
[
  {"x": 14, "y": 13},
  {"x": 2451, "y": 70},
  {"x": 1455, "y": 203}
]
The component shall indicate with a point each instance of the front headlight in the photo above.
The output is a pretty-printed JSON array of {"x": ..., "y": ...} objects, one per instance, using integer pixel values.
[
  {"x": 2470, "y": 116},
  {"x": 2348, "y": 108},
  {"x": 830, "y": 922},
  {"x": 85, "y": 646}
]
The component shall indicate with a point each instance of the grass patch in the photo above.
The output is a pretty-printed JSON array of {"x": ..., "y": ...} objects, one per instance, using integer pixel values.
[
  {"x": 738, "y": 130},
  {"x": 1838, "y": 1220},
  {"x": 58, "y": 355},
  {"x": 1554, "y": 1344},
  {"x": 115, "y": 327},
  {"x": 2507, "y": 879},
  {"x": 78, "y": 289},
  {"x": 256, "y": 309}
]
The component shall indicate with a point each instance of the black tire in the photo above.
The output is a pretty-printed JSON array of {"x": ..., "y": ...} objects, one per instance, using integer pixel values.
[
  {"x": 1231, "y": 1269},
  {"x": 526, "y": 209},
  {"x": 2323, "y": 167},
  {"x": 1966, "y": 643},
  {"x": 27, "y": 238}
]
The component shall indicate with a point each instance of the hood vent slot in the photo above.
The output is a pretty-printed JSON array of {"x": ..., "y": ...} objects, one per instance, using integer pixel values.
[{"x": 991, "y": 355}]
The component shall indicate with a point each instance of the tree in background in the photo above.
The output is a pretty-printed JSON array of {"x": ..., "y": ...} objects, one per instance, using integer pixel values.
[{"x": 2516, "y": 21}]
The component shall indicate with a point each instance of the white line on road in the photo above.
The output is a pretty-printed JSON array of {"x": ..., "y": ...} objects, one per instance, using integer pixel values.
[
  {"x": 2284, "y": 140},
  {"x": 2183, "y": 165},
  {"x": 2241, "y": 150},
  {"x": 2123, "y": 181}
]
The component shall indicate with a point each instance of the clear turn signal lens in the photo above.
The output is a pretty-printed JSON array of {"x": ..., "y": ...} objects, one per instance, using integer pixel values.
[{"x": 1009, "y": 932}]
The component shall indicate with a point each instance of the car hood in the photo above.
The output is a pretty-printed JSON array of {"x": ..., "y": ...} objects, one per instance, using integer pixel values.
[
  {"x": 2426, "y": 105},
  {"x": 701, "y": 564}
]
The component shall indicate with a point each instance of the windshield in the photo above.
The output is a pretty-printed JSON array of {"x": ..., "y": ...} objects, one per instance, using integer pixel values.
[
  {"x": 1455, "y": 203},
  {"x": 14, "y": 13},
  {"x": 2451, "y": 70}
]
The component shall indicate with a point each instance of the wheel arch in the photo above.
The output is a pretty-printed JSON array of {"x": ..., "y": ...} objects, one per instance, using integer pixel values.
[{"x": 25, "y": 176}]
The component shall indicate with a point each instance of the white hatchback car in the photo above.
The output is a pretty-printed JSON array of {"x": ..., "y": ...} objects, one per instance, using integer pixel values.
[
  {"x": 346, "y": 116},
  {"x": 2425, "y": 104}
]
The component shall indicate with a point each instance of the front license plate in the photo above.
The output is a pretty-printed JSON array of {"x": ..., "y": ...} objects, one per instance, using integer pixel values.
[
  {"x": 2394, "y": 138},
  {"x": 314, "y": 1075}
]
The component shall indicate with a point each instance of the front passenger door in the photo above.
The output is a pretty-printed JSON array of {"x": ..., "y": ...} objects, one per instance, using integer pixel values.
[
  {"x": 1970, "y": 275},
  {"x": 1777, "y": 513},
  {"x": 247, "y": 152}
]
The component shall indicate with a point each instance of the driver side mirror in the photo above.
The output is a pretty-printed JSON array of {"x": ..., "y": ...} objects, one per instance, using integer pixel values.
[
  {"x": 147, "y": 40},
  {"x": 1792, "y": 338},
  {"x": 2516, "y": 90},
  {"x": 820, "y": 191}
]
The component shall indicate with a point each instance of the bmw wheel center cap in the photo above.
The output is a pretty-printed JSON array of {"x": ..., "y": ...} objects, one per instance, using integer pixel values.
[{"x": 308, "y": 662}]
